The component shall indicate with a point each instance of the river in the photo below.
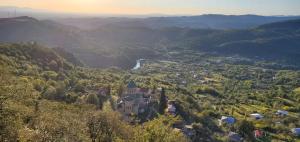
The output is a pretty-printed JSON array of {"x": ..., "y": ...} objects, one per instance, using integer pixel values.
[{"x": 138, "y": 64}]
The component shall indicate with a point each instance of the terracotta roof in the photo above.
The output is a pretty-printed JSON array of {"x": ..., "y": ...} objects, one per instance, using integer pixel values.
[{"x": 258, "y": 133}]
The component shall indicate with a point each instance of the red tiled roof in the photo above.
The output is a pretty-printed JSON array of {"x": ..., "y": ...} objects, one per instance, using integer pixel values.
[{"x": 258, "y": 133}]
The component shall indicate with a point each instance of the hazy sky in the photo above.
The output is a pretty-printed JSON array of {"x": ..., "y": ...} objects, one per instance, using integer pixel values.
[{"x": 262, "y": 7}]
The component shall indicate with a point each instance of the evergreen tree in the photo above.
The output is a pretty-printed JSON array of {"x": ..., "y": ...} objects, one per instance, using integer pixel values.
[
  {"x": 245, "y": 128},
  {"x": 162, "y": 101},
  {"x": 93, "y": 99},
  {"x": 120, "y": 89}
]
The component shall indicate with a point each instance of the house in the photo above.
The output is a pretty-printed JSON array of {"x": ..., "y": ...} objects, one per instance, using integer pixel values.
[
  {"x": 256, "y": 116},
  {"x": 133, "y": 104},
  {"x": 282, "y": 112},
  {"x": 226, "y": 120},
  {"x": 133, "y": 89},
  {"x": 195, "y": 76},
  {"x": 188, "y": 130},
  {"x": 234, "y": 137},
  {"x": 258, "y": 134},
  {"x": 171, "y": 109},
  {"x": 296, "y": 131}
]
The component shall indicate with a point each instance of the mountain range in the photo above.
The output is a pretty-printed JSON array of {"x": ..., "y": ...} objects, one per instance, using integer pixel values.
[
  {"x": 117, "y": 42},
  {"x": 209, "y": 21}
]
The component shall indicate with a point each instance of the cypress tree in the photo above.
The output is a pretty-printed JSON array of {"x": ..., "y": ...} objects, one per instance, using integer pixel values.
[{"x": 162, "y": 101}]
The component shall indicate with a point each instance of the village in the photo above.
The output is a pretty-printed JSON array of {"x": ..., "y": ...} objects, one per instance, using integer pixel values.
[
  {"x": 196, "y": 86},
  {"x": 213, "y": 74},
  {"x": 138, "y": 105}
]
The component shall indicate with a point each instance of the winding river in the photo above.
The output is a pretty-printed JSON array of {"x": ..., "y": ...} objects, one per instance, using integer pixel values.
[{"x": 138, "y": 64}]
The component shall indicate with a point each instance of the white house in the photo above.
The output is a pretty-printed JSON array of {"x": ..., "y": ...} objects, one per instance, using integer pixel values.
[
  {"x": 257, "y": 116},
  {"x": 282, "y": 112},
  {"x": 296, "y": 131},
  {"x": 171, "y": 109}
]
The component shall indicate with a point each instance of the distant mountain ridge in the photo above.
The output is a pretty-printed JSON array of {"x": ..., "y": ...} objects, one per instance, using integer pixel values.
[
  {"x": 276, "y": 41},
  {"x": 209, "y": 21},
  {"x": 26, "y": 29},
  {"x": 121, "y": 44}
]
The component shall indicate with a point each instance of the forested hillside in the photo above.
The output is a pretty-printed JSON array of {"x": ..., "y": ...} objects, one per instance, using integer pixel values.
[{"x": 44, "y": 97}]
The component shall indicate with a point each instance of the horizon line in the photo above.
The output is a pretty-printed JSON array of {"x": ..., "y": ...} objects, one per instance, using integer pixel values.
[{"x": 148, "y": 15}]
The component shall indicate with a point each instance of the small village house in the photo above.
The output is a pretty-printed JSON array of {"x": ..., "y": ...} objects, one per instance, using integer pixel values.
[
  {"x": 282, "y": 112},
  {"x": 234, "y": 137},
  {"x": 258, "y": 134},
  {"x": 226, "y": 120},
  {"x": 171, "y": 109},
  {"x": 188, "y": 130},
  {"x": 256, "y": 116},
  {"x": 296, "y": 131}
]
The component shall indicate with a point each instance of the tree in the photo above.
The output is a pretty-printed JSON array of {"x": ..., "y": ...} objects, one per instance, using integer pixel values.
[
  {"x": 246, "y": 128},
  {"x": 159, "y": 130},
  {"x": 60, "y": 91},
  {"x": 53, "y": 65},
  {"x": 107, "y": 127},
  {"x": 49, "y": 92},
  {"x": 162, "y": 101},
  {"x": 93, "y": 99},
  {"x": 120, "y": 89},
  {"x": 50, "y": 75},
  {"x": 80, "y": 86}
]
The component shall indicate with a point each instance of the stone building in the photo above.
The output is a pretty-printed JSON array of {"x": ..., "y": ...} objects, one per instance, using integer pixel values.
[{"x": 135, "y": 100}]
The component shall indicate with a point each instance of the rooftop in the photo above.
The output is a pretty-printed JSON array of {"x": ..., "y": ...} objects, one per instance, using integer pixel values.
[{"x": 131, "y": 84}]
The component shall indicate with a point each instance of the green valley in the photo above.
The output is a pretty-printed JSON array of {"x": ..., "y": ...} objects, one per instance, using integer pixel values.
[{"x": 46, "y": 96}]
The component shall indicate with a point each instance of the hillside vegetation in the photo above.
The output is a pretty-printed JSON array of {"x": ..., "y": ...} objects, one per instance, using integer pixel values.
[{"x": 44, "y": 97}]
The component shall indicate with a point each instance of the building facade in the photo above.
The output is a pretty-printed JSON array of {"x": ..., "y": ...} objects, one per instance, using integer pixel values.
[{"x": 135, "y": 100}]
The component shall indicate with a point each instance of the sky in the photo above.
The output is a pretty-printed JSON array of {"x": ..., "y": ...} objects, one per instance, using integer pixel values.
[{"x": 173, "y": 7}]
